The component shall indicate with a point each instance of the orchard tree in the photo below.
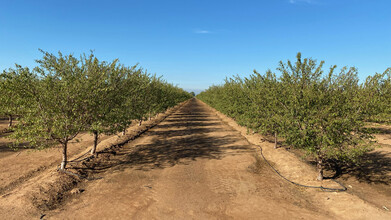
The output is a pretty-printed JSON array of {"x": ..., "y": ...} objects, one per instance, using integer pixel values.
[
  {"x": 268, "y": 98},
  {"x": 135, "y": 103},
  {"x": 386, "y": 95},
  {"x": 58, "y": 112},
  {"x": 154, "y": 97},
  {"x": 14, "y": 99},
  {"x": 104, "y": 88},
  {"x": 371, "y": 97},
  {"x": 64, "y": 96},
  {"x": 325, "y": 112},
  {"x": 375, "y": 96}
]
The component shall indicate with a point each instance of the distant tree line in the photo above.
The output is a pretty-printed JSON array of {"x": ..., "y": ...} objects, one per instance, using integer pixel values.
[
  {"x": 320, "y": 112},
  {"x": 65, "y": 95}
]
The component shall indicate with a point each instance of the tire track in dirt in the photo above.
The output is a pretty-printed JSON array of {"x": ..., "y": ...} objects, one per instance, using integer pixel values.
[{"x": 190, "y": 166}]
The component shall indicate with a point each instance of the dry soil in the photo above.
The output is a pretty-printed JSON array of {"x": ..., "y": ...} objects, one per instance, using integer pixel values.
[{"x": 199, "y": 164}]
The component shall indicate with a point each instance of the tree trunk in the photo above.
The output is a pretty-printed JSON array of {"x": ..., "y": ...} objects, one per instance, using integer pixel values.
[
  {"x": 320, "y": 169},
  {"x": 96, "y": 135},
  {"x": 149, "y": 117},
  {"x": 275, "y": 140},
  {"x": 64, "y": 155},
  {"x": 9, "y": 121}
]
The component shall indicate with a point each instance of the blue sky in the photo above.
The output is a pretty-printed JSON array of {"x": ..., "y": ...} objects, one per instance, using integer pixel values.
[{"x": 195, "y": 44}]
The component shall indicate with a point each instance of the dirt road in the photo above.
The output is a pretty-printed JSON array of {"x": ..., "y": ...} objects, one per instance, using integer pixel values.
[
  {"x": 191, "y": 166},
  {"x": 196, "y": 164}
]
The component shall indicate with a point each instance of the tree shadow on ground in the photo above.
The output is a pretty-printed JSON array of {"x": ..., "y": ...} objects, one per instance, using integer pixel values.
[
  {"x": 163, "y": 154},
  {"x": 188, "y": 124},
  {"x": 378, "y": 130},
  {"x": 375, "y": 168},
  {"x": 191, "y": 119},
  {"x": 8, "y": 147},
  {"x": 4, "y": 133},
  {"x": 182, "y": 138}
]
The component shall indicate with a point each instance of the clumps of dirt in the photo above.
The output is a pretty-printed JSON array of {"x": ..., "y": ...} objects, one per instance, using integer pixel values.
[
  {"x": 62, "y": 185},
  {"x": 76, "y": 191},
  {"x": 260, "y": 166},
  {"x": 51, "y": 195},
  {"x": 257, "y": 166}
]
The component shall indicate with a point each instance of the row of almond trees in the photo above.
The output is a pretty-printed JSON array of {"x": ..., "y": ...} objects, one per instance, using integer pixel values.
[
  {"x": 320, "y": 112},
  {"x": 65, "y": 95}
]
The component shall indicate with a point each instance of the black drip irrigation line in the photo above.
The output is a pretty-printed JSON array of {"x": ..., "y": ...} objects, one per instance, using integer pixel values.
[{"x": 326, "y": 189}]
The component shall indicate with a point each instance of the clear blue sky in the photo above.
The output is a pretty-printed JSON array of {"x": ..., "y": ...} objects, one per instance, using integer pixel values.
[{"x": 198, "y": 43}]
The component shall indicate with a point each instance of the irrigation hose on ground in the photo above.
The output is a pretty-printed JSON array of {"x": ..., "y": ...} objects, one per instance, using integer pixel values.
[{"x": 326, "y": 189}]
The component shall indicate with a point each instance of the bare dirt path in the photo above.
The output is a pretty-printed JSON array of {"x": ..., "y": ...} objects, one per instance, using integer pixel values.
[{"x": 191, "y": 166}]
